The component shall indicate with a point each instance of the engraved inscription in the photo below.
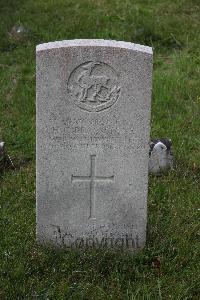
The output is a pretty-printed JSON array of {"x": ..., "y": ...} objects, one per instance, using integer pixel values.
[
  {"x": 92, "y": 179},
  {"x": 106, "y": 133},
  {"x": 94, "y": 85}
]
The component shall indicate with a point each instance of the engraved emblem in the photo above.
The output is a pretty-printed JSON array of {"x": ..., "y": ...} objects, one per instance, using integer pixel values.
[
  {"x": 92, "y": 179},
  {"x": 94, "y": 85}
]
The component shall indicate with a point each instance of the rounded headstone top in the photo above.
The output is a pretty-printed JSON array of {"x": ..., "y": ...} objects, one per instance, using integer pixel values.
[{"x": 94, "y": 43}]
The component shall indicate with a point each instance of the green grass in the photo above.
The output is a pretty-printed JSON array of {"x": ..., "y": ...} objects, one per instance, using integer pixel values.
[{"x": 168, "y": 267}]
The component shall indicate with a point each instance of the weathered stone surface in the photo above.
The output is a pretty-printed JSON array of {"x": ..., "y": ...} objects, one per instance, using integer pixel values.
[{"x": 93, "y": 115}]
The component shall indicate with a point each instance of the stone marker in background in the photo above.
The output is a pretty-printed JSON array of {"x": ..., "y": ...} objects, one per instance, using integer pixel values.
[
  {"x": 93, "y": 115},
  {"x": 160, "y": 156}
]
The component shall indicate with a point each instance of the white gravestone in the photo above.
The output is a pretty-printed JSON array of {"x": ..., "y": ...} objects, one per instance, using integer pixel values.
[{"x": 93, "y": 122}]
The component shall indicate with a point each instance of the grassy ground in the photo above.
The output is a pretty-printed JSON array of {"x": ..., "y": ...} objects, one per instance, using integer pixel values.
[{"x": 168, "y": 267}]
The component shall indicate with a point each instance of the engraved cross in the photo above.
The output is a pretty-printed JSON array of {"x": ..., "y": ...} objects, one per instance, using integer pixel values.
[{"x": 92, "y": 179}]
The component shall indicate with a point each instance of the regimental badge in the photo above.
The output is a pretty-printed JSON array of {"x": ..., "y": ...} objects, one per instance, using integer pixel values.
[{"x": 95, "y": 86}]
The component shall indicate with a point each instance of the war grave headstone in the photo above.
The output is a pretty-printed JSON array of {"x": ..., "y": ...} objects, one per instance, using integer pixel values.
[{"x": 93, "y": 123}]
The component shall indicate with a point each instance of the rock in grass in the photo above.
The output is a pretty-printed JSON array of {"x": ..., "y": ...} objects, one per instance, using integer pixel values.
[
  {"x": 160, "y": 156},
  {"x": 18, "y": 33}
]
